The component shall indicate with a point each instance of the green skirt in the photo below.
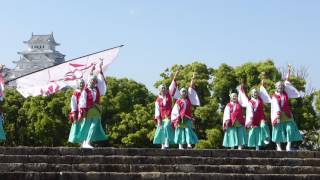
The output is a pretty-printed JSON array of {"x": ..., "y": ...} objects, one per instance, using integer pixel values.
[
  {"x": 185, "y": 134},
  {"x": 265, "y": 131},
  {"x": 254, "y": 137},
  {"x": 235, "y": 136},
  {"x": 74, "y": 132},
  {"x": 164, "y": 132},
  {"x": 91, "y": 130},
  {"x": 2, "y": 134},
  {"x": 286, "y": 131}
]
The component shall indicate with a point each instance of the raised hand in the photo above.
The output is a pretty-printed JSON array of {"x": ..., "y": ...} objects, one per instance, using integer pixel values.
[
  {"x": 192, "y": 79},
  {"x": 176, "y": 74},
  {"x": 289, "y": 71},
  {"x": 101, "y": 62}
]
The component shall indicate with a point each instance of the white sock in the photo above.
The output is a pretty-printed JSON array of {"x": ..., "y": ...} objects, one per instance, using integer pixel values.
[
  {"x": 239, "y": 147},
  {"x": 180, "y": 146},
  {"x": 288, "y": 147},
  {"x": 279, "y": 147},
  {"x": 257, "y": 148},
  {"x": 166, "y": 143},
  {"x": 162, "y": 146},
  {"x": 189, "y": 146}
]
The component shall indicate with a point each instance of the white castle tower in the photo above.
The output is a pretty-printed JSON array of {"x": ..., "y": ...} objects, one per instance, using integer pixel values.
[{"x": 41, "y": 53}]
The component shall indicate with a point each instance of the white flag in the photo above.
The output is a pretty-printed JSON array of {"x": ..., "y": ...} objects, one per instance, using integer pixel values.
[{"x": 53, "y": 79}]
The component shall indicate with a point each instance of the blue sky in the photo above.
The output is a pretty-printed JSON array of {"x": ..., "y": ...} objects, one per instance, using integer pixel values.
[{"x": 158, "y": 34}]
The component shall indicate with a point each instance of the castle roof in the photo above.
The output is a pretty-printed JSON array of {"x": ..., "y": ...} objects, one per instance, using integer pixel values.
[{"x": 42, "y": 39}]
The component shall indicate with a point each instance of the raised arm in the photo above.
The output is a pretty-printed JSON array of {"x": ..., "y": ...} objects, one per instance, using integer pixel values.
[
  {"x": 173, "y": 89},
  {"x": 289, "y": 72},
  {"x": 101, "y": 82},
  {"x": 192, "y": 93},
  {"x": 264, "y": 95},
  {"x": 288, "y": 87},
  {"x": 242, "y": 97},
  {"x": 1, "y": 82}
]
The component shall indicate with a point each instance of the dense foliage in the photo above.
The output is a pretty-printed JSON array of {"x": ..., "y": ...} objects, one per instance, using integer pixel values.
[{"x": 129, "y": 107}]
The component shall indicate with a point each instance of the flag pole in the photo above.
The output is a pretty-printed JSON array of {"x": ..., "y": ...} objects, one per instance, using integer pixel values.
[{"x": 6, "y": 82}]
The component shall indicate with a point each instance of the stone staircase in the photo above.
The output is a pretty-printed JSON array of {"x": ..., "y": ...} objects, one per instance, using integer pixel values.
[{"x": 63, "y": 163}]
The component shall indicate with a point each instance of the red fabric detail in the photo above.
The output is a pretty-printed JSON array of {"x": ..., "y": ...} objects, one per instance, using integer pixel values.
[
  {"x": 82, "y": 113},
  {"x": 90, "y": 102},
  {"x": 185, "y": 112},
  {"x": 72, "y": 116},
  {"x": 286, "y": 104},
  {"x": 258, "y": 113},
  {"x": 237, "y": 114},
  {"x": 165, "y": 110},
  {"x": 77, "y": 94}
]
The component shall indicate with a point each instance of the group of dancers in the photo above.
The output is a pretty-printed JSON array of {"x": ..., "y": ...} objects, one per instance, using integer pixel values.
[
  {"x": 284, "y": 128},
  {"x": 174, "y": 124}
]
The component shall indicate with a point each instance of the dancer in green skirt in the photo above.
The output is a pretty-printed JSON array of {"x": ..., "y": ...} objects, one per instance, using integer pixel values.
[
  {"x": 90, "y": 110},
  {"x": 234, "y": 123},
  {"x": 164, "y": 134},
  {"x": 73, "y": 116},
  {"x": 2, "y": 134},
  {"x": 181, "y": 116},
  {"x": 284, "y": 129},
  {"x": 259, "y": 133}
]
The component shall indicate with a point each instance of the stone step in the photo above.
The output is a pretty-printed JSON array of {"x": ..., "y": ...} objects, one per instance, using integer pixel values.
[
  {"x": 149, "y": 176},
  {"x": 163, "y": 160},
  {"x": 155, "y": 152},
  {"x": 185, "y": 168}
]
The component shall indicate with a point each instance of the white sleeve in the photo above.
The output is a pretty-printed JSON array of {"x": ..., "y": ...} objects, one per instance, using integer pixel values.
[
  {"x": 193, "y": 97},
  {"x": 264, "y": 95},
  {"x": 274, "y": 109},
  {"x": 173, "y": 90},
  {"x": 175, "y": 112},
  {"x": 157, "y": 110},
  {"x": 1, "y": 93},
  {"x": 101, "y": 84},
  {"x": 83, "y": 100},
  {"x": 291, "y": 90},
  {"x": 242, "y": 98},
  {"x": 226, "y": 115},
  {"x": 249, "y": 114},
  {"x": 73, "y": 103}
]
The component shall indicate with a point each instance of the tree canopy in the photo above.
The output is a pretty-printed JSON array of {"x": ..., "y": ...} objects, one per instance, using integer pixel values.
[{"x": 128, "y": 106}]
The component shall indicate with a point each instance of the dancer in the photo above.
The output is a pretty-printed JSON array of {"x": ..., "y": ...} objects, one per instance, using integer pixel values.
[
  {"x": 90, "y": 110},
  {"x": 181, "y": 116},
  {"x": 234, "y": 123},
  {"x": 164, "y": 134},
  {"x": 259, "y": 133},
  {"x": 284, "y": 129},
  {"x": 74, "y": 114}
]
